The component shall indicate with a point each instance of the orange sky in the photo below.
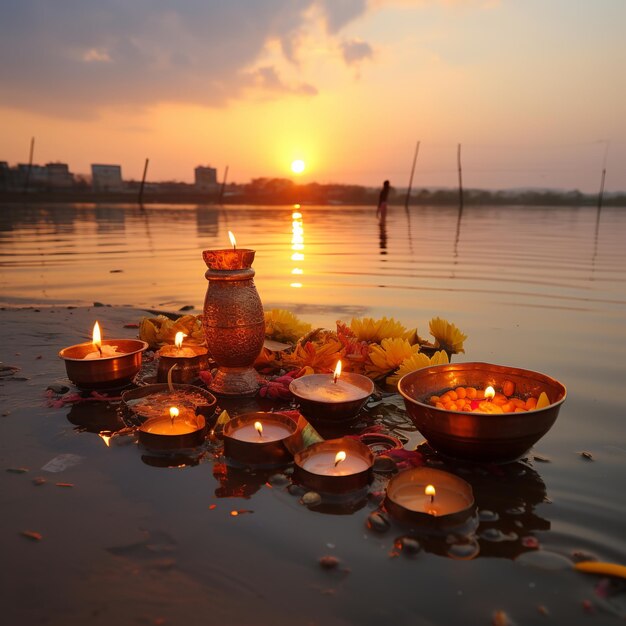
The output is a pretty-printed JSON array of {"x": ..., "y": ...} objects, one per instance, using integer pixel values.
[{"x": 533, "y": 90}]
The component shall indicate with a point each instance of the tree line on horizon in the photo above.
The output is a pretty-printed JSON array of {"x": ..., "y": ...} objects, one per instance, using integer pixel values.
[{"x": 280, "y": 191}]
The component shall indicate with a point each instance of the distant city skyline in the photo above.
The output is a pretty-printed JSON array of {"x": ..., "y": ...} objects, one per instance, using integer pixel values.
[
  {"x": 533, "y": 91},
  {"x": 204, "y": 176}
]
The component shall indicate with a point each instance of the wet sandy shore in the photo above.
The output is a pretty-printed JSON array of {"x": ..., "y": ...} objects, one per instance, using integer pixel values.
[{"x": 92, "y": 534}]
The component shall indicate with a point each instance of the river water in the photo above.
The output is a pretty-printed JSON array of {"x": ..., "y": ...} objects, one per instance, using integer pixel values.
[{"x": 533, "y": 287}]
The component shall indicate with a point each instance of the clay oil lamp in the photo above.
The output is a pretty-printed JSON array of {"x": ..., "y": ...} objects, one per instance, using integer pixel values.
[
  {"x": 331, "y": 398},
  {"x": 98, "y": 364}
]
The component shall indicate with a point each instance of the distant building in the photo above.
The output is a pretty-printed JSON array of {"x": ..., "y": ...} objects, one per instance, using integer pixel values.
[
  {"x": 32, "y": 175},
  {"x": 59, "y": 176},
  {"x": 205, "y": 178},
  {"x": 5, "y": 176},
  {"x": 106, "y": 177}
]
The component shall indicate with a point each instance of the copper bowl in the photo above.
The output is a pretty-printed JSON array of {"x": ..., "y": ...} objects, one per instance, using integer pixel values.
[
  {"x": 328, "y": 411},
  {"x": 202, "y": 401},
  {"x": 499, "y": 438},
  {"x": 110, "y": 371}
]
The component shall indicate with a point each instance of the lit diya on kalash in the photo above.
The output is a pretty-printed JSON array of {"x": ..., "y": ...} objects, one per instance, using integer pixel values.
[
  {"x": 334, "y": 466},
  {"x": 331, "y": 397},
  {"x": 481, "y": 411},
  {"x": 259, "y": 438},
  {"x": 102, "y": 363},
  {"x": 233, "y": 320},
  {"x": 429, "y": 497},
  {"x": 187, "y": 361}
]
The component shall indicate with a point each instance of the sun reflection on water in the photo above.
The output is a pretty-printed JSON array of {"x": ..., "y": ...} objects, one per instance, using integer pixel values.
[{"x": 297, "y": 243}]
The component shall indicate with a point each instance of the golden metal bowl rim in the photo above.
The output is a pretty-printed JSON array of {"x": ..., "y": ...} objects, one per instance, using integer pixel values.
[
  {"x": 143, "y": 346},
  {"x": 478, "y": 365}
]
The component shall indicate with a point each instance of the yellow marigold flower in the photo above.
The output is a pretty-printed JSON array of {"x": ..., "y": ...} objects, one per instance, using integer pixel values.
[
  {"x": 322, "y": 357},
  {"x": 388, "y": 356},
  {"x": 447, "y": 335},
  {"x": 267, "y": 358},
  {"x": 416, "y": 362},
  {"x": 161, "y": 330},
  {"x": 282, "y": 325},
  {"x": 374, "y": 331}
]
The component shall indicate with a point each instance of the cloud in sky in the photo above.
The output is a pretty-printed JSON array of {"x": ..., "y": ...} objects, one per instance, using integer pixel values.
[
  {"x": 355, "y": 51},
  {"x": 314, "y": 78},
  {"x": 69, "y": 57}
]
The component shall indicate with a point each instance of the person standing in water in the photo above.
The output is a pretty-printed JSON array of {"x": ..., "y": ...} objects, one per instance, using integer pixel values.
[{"x": 381, "y": 210}]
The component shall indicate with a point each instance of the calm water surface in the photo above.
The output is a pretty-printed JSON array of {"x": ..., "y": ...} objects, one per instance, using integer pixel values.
[{"x": 540, "y": 288}]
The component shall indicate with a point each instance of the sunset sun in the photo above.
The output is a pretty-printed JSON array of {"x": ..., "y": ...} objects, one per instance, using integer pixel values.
[{"x": 297, "y": 166}]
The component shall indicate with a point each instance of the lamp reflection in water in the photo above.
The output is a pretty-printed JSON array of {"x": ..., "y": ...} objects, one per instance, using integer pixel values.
[{"x": 297, "y": 245}]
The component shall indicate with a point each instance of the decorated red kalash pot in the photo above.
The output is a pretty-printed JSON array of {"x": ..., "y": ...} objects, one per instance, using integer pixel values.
[{"x": 233, "y": 320}]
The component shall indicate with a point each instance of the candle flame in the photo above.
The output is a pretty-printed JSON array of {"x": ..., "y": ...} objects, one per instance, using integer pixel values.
[
  {"x": 97, "y": 337},
  {"x": 339, "y": 457},
  {"x": 173, "y": 412},
  {"x": 337, "y": 371},
  {"x": 259, "y": 428},
  {"x": 233, "y": 241},
  {"x": 490, "y": 392},
  {"x": 106, "y": 439},
  {"x": 430, "y": 491},
  {"x": 178, "y": 340}
]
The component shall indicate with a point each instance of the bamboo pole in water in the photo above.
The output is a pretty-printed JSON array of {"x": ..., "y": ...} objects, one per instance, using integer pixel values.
[
  {"x": 408, "y": 191},
  {"x": 30, "y": 164},
  {"x": 143, "y": 181},
  {"x": 219, "y": 200},
  {"x": 458, "y": 161},
  {"x": 601, "y": 194}
]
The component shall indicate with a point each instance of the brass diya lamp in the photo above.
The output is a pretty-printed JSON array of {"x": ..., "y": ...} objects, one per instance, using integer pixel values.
[
  {"x": 178, "y": 429},
  {"x": 259, "y": 438},
  {"x": 430, "y": 498},
  {"x": 189, "y": 360},
  {"x": 100, "y": 364},
  {"x": 233, "y": 320},
  {"x": 334, "y": 466},
  {"x": 331, "y": 398}
]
